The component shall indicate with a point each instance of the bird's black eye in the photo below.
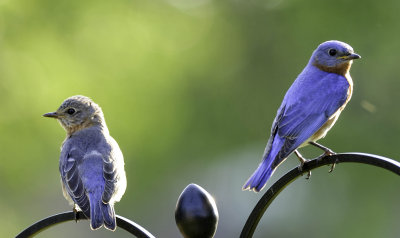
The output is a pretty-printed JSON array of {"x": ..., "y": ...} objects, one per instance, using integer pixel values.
[
  {"x": 71, "y": 111},
  {"x": 332, "y": 52}
]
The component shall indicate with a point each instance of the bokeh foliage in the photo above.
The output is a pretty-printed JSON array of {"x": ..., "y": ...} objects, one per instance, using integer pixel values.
[{"x": 189, "y": 89}]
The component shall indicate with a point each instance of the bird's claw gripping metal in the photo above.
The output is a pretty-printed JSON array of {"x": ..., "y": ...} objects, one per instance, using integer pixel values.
[
  {"x": 75, "y": 210},
  {"x": 302, "y": 161},
  {"x": 333, "y": 166},
  {"x": 327, "y": 152}
]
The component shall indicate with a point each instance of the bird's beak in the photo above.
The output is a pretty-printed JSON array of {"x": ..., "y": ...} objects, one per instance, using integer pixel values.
[
  {"x": 51, "y": 114},
  {"x": 354, "y": 56},
  {"x": 350, "y": 56}
]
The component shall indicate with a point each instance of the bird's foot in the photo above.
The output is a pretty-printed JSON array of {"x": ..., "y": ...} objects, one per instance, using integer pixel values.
[
  {"x": 308, "y": 172},
  {"x": 327, "y": 151},
  {"x": 302, "y": 161},
  {"x": 333, "y": 166},
  {"x": 76, "y": 210}
]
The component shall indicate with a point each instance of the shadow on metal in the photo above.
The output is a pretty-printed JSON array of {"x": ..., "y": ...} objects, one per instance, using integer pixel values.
[
  {"x": 278, "y": 186},
  {"x": 42, "y": 225}
]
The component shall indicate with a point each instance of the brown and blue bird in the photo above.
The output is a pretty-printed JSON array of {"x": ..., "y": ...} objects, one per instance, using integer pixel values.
[
  {"x": 91, "y": 162},
  {"x": 309, "y": 109}
]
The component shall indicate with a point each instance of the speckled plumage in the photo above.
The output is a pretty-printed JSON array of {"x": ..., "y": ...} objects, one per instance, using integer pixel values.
[
  {"x": 310, "y": 107},
  {"x": 91, "y": 162}
]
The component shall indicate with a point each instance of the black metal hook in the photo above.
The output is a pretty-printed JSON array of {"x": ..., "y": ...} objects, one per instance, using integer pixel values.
[
  {"x": 278, "y": 186},
  {"x": 41, "y": 225},
  {"x": 196, "y": 213}
]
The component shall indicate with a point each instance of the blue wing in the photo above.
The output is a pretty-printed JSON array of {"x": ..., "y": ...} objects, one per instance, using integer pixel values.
[
  {"x": 71, "y": 179},
  {"x": 307, "y": 108},
  {"x": 112, "y": 172}
]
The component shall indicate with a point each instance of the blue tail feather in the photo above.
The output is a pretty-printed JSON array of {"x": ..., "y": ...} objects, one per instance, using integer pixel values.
[
  {"x": 109, "y": 216},
  {"x": 101, "y": 213},
  {"x": 259, "y": 178},
  {"x": 96, "y": 216},
  {"x": 266, "y": 168}
]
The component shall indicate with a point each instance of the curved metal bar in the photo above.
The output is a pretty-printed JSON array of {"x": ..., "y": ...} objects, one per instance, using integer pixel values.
[
  {"x": 278, "y": 186},
  {"x": 42, "y": 225}
]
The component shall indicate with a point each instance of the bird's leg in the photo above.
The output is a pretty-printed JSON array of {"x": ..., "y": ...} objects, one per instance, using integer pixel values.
[
  {"x": 75, "y": 210},
  {"x": 327, "y": 152},
  {"x": 302, "y": 161}
]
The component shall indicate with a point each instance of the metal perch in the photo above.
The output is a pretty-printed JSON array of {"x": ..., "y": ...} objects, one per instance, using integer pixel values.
[
  {"x": 196, "y": 213},
  {"x": 285, "y": 180}
]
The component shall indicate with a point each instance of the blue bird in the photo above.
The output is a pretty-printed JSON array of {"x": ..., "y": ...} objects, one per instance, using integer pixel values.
[
  {"x": 91, "y": 162},
  {"x": 309, "y": 109}
]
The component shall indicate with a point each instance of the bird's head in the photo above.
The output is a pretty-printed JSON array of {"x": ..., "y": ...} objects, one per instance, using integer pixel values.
[
  {"x": 76, "y": 113},
  {"x": 334, "y": 56}
]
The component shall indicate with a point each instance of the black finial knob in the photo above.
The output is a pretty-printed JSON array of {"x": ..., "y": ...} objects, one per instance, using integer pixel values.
[{"x": 196, "y": 213}]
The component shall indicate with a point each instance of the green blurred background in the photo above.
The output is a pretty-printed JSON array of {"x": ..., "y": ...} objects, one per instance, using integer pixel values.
[{"x": 189, "y": 89}]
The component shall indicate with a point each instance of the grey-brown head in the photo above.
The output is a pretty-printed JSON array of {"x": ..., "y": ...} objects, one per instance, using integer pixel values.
[{"x": 76, "y": 113}]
